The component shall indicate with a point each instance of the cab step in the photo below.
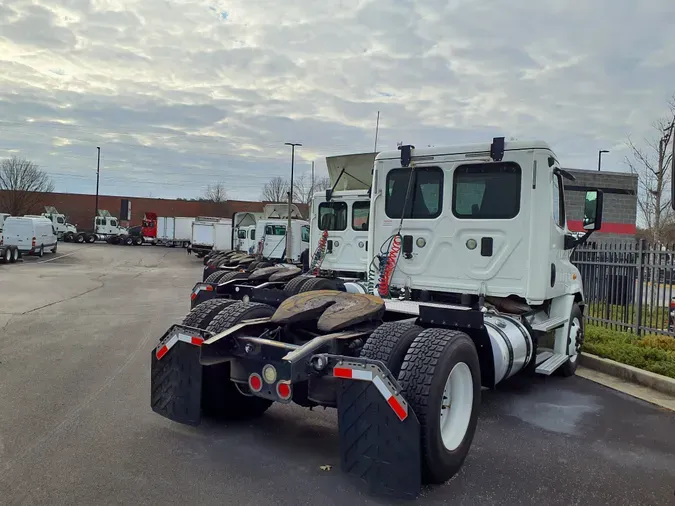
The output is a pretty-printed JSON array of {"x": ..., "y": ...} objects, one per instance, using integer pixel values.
[
  {"x": 550, "y": 324},
  {"x": 552, "y": 362}
]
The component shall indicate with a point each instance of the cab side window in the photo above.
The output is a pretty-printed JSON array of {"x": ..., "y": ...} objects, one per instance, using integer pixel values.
[
  {"x": 304, "y": 233},
  {"x": 558, "y": 201}
]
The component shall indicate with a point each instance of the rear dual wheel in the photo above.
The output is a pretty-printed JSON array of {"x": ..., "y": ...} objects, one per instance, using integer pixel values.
[
  {"x": 7, "y": 256},
  {"x": 439, "y": 374}
]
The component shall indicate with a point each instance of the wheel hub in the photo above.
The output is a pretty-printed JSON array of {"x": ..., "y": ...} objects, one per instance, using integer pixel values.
[{"x": 456, "y": 406}]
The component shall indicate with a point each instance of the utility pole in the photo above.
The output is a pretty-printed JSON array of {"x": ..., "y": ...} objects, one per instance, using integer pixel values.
[
  {"x": 98, "y": 172},
  {"x": 312, "y": 187},
  {"x": 600, "y": 157},
  {"x": 290, "y": 200}
]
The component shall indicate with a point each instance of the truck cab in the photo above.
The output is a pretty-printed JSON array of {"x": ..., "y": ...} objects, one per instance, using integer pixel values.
[
  {"x": 106, "y": 227},
  {"x": 64, "y": 230},
  {"x": 339, "y": 232},
  {"x": 149, "y": 228},
  {"x": 272, "y": 245}
]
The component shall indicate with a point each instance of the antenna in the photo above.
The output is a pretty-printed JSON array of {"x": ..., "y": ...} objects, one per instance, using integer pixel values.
[{"x": 377, "y": 129}]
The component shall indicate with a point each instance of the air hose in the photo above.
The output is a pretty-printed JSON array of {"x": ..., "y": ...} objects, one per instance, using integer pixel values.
[
  {"x": 388, "y": 263},
  {"x": 319, "y": 254}
]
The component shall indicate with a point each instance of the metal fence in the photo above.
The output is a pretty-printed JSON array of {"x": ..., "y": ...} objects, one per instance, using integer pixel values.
[{"x": 628, "y": 286}]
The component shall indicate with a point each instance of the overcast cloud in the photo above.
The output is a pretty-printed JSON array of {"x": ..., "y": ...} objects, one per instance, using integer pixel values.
[{"x": 180, "y": 93}]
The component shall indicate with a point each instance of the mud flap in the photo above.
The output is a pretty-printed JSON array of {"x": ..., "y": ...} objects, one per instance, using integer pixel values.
[
  {"x": 176, "y": 384},
  {"x": 375, "y": 445}
]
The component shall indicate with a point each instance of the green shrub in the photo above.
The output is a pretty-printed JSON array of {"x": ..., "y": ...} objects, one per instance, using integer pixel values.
[{"x": 652, "y": 353}]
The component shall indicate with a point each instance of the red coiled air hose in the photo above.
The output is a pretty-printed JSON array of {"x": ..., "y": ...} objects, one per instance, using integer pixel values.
[{"x": 392, "y": 260}]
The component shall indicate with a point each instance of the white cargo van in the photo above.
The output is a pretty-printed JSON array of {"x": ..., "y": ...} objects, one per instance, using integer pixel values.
[{"x": 30, "y": 234}]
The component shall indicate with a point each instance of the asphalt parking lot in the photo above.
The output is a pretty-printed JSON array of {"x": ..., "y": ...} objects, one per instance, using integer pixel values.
[{"x": 76, "y": 333}]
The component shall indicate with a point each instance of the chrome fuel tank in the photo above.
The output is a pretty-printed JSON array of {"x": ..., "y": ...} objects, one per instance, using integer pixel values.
[{"x": 512, "y": 346}]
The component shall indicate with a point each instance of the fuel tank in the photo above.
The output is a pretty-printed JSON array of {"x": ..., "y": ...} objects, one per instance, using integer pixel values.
[{"x": 512, "y": 345}]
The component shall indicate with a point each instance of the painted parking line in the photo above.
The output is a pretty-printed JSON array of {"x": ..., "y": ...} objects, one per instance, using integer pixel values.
[{"x": 58, "y": 257}]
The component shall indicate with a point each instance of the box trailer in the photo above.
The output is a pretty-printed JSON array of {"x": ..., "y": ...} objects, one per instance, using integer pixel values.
[
  {"x": 209, "y": 233},
  {"x": 174, "y": 230}
]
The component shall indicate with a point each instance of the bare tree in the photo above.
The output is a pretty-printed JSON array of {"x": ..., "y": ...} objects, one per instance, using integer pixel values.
[
  {"x": 215, "y": 193},
  {"x": 304, "y": 189},
  {"x": 652, "y": 164},
  {"x": 21, "y": 185},
  {"x": 276, "y": 190}
]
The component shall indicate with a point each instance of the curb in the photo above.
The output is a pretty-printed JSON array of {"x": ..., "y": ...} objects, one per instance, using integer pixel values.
[{"x": 629, "y": 373}]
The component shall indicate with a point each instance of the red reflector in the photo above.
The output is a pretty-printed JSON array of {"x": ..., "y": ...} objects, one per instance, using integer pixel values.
[
  {"x": 255, "y": 382},
  {"x": 197, "y": 341},
  {"x": 284, "y": 390},
  {"x": 342, "y": 372},
  {"x": 162, "y": 351},
  {"x": 209, "y": 288},
  {"x": 193, "y": 296},
  {"x": 398, "y": 409}
]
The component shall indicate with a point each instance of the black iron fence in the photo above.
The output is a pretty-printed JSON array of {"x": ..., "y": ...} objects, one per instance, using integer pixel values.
[{"x": 628, "y": 286}]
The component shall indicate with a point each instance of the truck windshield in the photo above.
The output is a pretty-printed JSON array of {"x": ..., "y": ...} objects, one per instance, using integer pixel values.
[
  {"x": 241, "y": 234},
  {"x": 486, "y": 191}
]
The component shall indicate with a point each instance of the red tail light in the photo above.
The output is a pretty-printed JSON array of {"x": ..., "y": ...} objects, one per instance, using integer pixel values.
[
  {"x": 284, "y": 390},
  {"x": 672, "y": 304},
  {"x": 34, "y": 242},
  {"x": 255, "y": 382}
]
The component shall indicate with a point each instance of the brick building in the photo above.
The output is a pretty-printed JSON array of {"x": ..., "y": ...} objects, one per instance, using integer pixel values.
[
  {"x": 619, "y": 203},
  {"x": 79, "y": 208}
]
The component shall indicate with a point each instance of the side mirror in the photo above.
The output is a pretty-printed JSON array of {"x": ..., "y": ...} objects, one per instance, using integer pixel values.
[{"x": 593, "y": 210}]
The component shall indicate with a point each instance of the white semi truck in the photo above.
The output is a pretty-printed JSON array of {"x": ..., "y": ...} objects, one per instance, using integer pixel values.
[{"x": 474, "y": 283}]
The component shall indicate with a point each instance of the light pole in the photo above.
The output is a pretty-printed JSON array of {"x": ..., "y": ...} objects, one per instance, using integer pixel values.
[
  {"x": 98, "y": 171},
  {"x": 600, "y": 157},
  {"x": 290, "y": 200}
]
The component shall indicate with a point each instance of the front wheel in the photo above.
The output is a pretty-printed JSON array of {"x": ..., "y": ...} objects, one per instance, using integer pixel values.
[
  {"x": 440, "y": 378},
  {"x": 41, "y": 251},
  {"x": 575, "y": 341}
]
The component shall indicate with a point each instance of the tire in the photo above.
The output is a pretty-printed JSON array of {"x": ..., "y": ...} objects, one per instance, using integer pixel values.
[
  {"x": 318, "y": 284},
  {"x": 201, "y": 315},
  {"x": 389, "y": 344},
  {"x": 41, "y": 252},
  {"x": 55, "y": 248},
  {"x": 569, "y": 368},
  {"x": 68, "y": 237},
  {"x": 220, "y": 396},
  {"x": 432, "y": 356},
  {"x": 79, "y": 238},
  {"x": 252, "y": 266},
  {"x": 138, "y": 241},
  {"x": 7, "y": 256},
  {"x": 16, "y": 254},
  {"x": 214, "y": 277},
  {"x": 129, "y": 241},
  {"x": 91, "y": 239},
  {"x": 294, "y": 286}
]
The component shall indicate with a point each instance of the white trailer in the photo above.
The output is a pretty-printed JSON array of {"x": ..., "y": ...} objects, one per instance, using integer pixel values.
[
  {"x": 205, "y": 237},
  {"x": 471, "y": 253},
  {"x": 174, "y": 230}
]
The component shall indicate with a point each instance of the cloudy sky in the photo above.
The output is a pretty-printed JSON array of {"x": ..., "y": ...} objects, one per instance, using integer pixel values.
[{"x": 180, "y": 93}]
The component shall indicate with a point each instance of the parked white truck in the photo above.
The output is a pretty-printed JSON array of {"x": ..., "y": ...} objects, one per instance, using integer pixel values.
[
  {"x": 174, "y": 231},
  {"x": 30, "y": 235},
  {"x": 211, "y": 233},
  {"x": 472, "y": 266}
]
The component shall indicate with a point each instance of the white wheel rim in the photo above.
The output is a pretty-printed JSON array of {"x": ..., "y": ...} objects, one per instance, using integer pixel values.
[
  {"x": 456, "y": 406},
  {"x": 575, "y": 327}
]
